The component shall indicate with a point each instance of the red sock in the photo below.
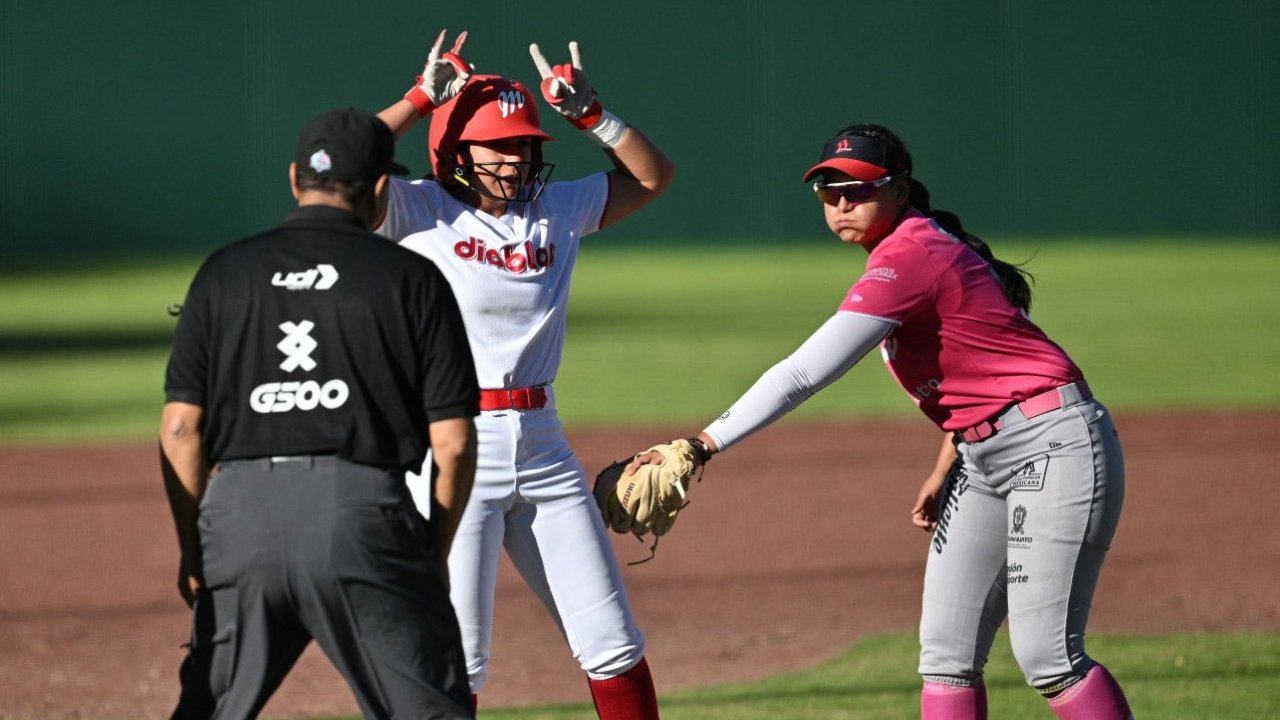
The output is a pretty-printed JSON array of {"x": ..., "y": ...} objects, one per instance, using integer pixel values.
[
  {"x": 475, "y": 703},
  {"x": 629, "y": 696}
]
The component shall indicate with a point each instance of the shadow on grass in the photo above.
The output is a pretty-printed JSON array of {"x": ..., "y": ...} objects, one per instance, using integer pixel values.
[{"x": 26, "y": 344}]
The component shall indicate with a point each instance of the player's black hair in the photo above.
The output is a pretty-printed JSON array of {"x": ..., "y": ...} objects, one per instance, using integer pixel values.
[
  {"x": 352, "y": 191},
  {"x": 1015, "y": 281}
]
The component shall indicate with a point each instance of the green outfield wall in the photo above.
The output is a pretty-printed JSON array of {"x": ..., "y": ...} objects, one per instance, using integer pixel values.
[{"x": 160, "y": 126}]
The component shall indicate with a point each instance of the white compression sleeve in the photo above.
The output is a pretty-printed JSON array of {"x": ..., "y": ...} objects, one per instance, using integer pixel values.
[{"x": 828, "y": 353}]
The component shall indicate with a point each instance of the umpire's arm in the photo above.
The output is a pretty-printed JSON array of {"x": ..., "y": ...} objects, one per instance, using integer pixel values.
[
  {"x": 186, "y": 475},
  {"x": 453, "y": 450}
]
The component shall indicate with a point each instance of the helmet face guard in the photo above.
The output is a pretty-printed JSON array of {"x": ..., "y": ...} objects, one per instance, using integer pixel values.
[
  {"x": 534, "y": 174},
  {"x": 489, "y": 108}
]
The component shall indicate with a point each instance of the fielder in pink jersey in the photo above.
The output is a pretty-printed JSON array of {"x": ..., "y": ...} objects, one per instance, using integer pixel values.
[
  {"x": 1028, "y": 487},
  {"x": 506, "y": 239}
]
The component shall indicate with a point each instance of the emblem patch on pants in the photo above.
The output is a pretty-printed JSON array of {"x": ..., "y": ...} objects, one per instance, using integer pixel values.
[
  {"x": 1018, "y": 538},
  {"x": 1030, "y": 476}
]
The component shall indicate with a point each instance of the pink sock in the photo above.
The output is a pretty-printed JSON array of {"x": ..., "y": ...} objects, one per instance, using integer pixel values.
[
  {"x": 1097, "y": 697},
  {"x": 952, "y": 702},
  {"x": 629, "y": 696}
]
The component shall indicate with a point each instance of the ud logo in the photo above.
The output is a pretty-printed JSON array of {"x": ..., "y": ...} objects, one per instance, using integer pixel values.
[
  {"x": 320, "y": 277},
  {"x": 842, "y": 146},
  {"x": 1019, "y": 519},
  {"x": 1030, "y": 476}
]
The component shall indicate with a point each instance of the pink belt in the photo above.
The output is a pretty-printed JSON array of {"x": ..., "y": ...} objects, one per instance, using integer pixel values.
[{"x": 1059, "y": 397}]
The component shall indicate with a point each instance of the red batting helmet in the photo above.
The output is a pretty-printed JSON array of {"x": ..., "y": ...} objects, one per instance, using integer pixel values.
[{"x": 489, "y": 107}]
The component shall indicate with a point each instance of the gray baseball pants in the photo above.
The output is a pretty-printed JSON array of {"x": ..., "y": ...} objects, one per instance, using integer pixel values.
[
  {"x": 1025, "y": 523},
  {"x": 307, "y": 548}
]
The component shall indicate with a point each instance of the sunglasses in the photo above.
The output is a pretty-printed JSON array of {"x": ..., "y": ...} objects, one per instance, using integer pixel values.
[{"x": 853, "y": 191}]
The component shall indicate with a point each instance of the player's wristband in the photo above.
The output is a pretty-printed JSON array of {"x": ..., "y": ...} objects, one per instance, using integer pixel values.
[
  {"x": 588, "y": 118},
  {"x": 418, "y": 98},
  {"x": 606, "y": 130},
  {"x": 700, "y": 448}
]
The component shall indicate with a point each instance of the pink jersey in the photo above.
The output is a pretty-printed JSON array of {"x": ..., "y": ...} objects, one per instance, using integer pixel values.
[{"x": 961, "y": 350}]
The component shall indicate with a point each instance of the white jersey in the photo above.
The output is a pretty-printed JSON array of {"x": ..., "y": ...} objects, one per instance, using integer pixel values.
[{"x": 510, "y": 274}]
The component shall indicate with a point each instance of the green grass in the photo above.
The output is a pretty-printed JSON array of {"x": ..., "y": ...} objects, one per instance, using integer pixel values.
[
  {"x": 672, "y": 335},
  {"x": 1177, "y": 677},
  {"x": 124, "y": 300},
  {"x": 83, "y": 351}
]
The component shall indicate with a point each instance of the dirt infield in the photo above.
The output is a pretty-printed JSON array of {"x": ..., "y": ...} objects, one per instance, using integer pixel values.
[{"x": 783, "y": 560}]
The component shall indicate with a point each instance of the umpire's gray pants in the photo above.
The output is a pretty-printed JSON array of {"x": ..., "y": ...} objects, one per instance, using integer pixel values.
[
  {"x": 1026, "y": 520},
  {"x": 304, "y": 548}
]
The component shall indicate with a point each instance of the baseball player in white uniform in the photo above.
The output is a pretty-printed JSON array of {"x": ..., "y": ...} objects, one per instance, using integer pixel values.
[{"x": 506, "y": 239}]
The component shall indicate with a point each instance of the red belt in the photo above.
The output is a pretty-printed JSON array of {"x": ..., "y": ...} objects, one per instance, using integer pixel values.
[
  {"x": 534, "y": 398},
  {"x": 1031, "y": 407}
]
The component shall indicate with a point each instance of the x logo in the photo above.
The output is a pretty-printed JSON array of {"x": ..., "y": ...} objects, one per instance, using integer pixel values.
[{"x": 297, "y": 346}]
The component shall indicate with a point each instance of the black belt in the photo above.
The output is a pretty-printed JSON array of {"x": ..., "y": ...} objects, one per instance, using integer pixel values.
[{"x": 267, "y": 463}]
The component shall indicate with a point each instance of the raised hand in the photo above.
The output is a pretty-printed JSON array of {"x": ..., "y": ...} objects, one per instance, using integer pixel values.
[
  {"x": 443, "y": 77},
  {"x": 567, "y": 89}
]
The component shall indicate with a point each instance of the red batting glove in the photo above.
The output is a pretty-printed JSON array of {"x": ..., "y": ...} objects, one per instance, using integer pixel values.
[
  {"x": 442, "y": 77},
  {"x": 567, "y": 89}
]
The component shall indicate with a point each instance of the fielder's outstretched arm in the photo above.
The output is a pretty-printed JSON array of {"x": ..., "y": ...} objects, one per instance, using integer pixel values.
[
  {"x": 641, "y": 171},
  {"x": 827, "y": 355}
]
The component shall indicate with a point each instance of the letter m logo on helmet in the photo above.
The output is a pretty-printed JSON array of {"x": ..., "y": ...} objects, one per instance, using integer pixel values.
[
  {"x": 509, "y": 101},
  {"x": 488, "y": 108}
]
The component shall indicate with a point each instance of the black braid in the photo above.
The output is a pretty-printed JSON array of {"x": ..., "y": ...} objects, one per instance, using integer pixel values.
[{"x": 1015, "y": 281}]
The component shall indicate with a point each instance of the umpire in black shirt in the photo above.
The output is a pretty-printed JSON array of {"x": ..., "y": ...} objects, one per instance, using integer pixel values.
[{"x": 312, "y": 366}]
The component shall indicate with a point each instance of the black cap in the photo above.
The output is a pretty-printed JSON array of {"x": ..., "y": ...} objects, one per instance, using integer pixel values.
[
  {"x": 347, "y": 144},
  {"x": 861, "y": 157}
]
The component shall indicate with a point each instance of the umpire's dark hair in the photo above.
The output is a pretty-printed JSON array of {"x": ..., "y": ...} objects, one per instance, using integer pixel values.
[
  {"x": 1015, "y": 281},
  {"x": 352, "y": 191}
]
